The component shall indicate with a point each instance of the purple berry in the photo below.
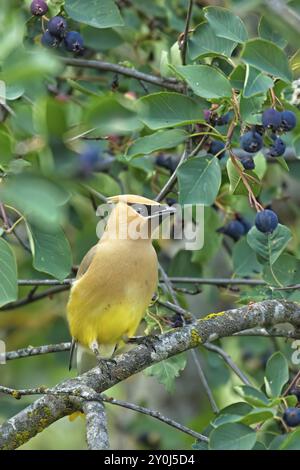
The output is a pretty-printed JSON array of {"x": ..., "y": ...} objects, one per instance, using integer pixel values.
[
  {"x": 277, "y": 148},
  {"x": 271, "y": 119},
  {"x": 266, "y": 221},
  {"x": 74, "y": 42},
  {"x": 247, "y": 162},
  {"x": 48, "y": 40},
  {"x": 217, "y": 148},
  {"x": 251, "y": 142},
  {"x": 57, "y": 26},
  {"x": 288, "y": 120},
  {"x": 38, "y": 7},
  {"x": 207, "y": 115},
  {"x": 291, "y": 417}
]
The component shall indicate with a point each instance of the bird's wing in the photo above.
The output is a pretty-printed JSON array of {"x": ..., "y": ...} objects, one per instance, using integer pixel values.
[{"x": 86, "y": 262}]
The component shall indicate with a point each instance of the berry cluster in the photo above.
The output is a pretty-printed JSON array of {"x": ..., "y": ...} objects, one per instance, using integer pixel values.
[
  {"x": 57, "y": 30},
  {"x": 216, "y": 147},
  {"x": 274, "y": 123},
  {"x": 266, "y": 221}
]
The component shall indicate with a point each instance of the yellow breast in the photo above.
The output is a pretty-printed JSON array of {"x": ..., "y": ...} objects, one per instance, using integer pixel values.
[{"x": 110, "y": 299}]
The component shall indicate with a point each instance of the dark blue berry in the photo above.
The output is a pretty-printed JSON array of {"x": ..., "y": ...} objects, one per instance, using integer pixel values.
[
  {"x": 291, "y": 417},
  {"x": 295, "y": 391},
  {"x": 88, "y": 161},
  {"x": 217, "y": 148},
  {"x": 266, "y": 221},
  {"x": 74, "y": 42},
  {"x": 251, "y": 142},
  {"x": 38, "y": 7},
  {"x": 277, "y": 148},
  {"x": 271, "y": 119},
  {"x": 57, "y": 26},
  {"x": 288, "y": 120},
  {"x": 233, "y": 229},
  {"x": 246, "y": 224},
  {"x": 166, "y": 162},
  {"x": 247, "y": 162},
  {"x": 48, "y": 40},
  {"x": 223, "y": 120}
]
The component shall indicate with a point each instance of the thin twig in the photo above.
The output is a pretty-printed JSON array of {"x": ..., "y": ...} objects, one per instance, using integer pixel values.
[
  {"x": 183, "y": 45},
  {"x": 33, "y": 298},
  {"x": 168, "y": 83},
  {"x": 90, "y": 396},
  {"x": 229, "y": 362},
  {"x": 184, "y": 315},
  {"x": 156, "y": 415},
  {"x": 174, "y": 280},
  {"x": 35, "y": 351}
]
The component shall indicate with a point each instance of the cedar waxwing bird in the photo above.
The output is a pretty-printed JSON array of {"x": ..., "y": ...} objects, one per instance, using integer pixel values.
[{"x": 116, "y": 281}]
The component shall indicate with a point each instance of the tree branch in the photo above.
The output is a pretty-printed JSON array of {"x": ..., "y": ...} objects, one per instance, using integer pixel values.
[
  {"x": 34, "y": 351},
  {"x": 168, "y": 83},
  {"x": 96, "y": 425},
  {"x": 48, "y": 409}
]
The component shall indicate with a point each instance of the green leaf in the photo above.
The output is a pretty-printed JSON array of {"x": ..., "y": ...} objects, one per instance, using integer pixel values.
[
  {"x": 232, "y": 413},
  {"x": 204, "y": 42},
  {"x": 266, "y": 31},
  {"x": 258, "y": 415},
  {"x": 250, "y": 108},
  {"x": 237, "y": 185},
  {"x": 256, "y": 82},
  {"x": 6, "y": 147},
  {"x": 269, "y": 246},
  {"x": 199, "y": 180},
  {"x": 101, "y": 39},
  {"x": 296, "y": 144},
  {"x": 112, "y": 115},
  {"x": 237, "y": 77},
  {"x": 232, "y": 436},
  {"x": 226, "y": 24},
  {"x": 244, "y": 262},
  {"x": 277, "y": 374},
  {"x": 267, "y": 57},
  {"x": 158, "y": 141},
  {"x": 292, "y": 441},
  {"x": 167, "y": 371},
  {"x": 205, "y": 81},
  {"x": 38, "y": 199},
  {"x": 99, "y": 14},
  {"x": 160, "y": 110},
  {"x": 51, "y": 251},
  {"x": 8, "y": 274},
  {"x": 104, "y": 184},
  {"x": 286, "y": 270},
  {"x": 212, "y": 239},
  {"x": 252, "y": 395}
]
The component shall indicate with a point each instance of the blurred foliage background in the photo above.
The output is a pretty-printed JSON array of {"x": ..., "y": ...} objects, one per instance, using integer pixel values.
[{"x": 49, "y": 109}]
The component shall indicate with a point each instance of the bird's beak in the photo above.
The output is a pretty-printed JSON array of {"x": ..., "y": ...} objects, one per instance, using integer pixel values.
[{"x": 161, "y": 211}]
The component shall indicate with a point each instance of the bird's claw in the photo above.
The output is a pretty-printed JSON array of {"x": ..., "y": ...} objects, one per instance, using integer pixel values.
[{"x": 145, "y": 340}]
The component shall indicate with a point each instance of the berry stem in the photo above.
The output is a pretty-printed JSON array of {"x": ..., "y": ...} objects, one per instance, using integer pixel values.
[{"x": 252, "y": 199}]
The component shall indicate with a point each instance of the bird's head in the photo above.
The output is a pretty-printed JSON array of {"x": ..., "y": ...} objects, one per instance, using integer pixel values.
[{"x": 137, "y": 216}]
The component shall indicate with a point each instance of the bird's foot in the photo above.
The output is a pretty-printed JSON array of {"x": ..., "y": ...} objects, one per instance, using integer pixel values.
[
  {"x": 147, "y": 341},
  {"x": 105, "y": 363}
]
